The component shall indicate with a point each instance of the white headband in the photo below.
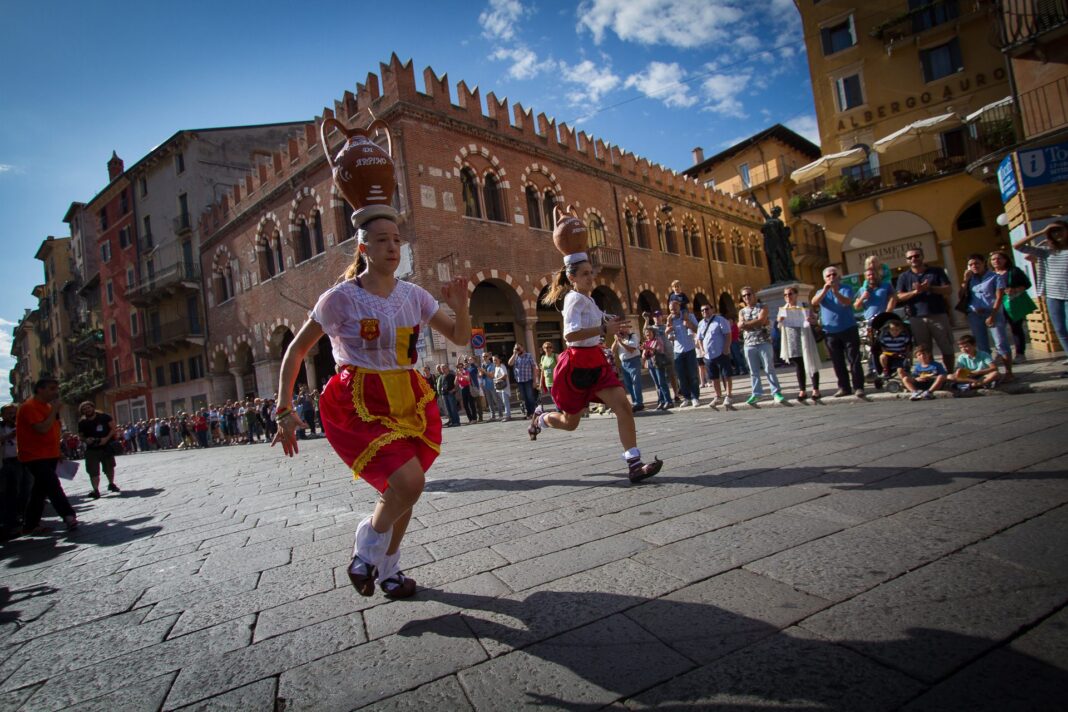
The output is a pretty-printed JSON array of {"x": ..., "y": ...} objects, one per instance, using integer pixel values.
[{"x": 575, "y": 258}]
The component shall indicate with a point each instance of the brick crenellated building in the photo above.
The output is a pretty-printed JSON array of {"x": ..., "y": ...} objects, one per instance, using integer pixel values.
[{"x": 476, "y": 192}]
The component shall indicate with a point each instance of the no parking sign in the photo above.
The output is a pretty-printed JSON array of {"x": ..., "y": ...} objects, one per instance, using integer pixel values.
[{"x": 478, "y": 339}]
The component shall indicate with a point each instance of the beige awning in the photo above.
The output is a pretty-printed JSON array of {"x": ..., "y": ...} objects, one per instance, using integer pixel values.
[
  {"x": 825, "y": 164},
  {"x": 1007, "y": 101},
  {"x": 935, "y": 124}
]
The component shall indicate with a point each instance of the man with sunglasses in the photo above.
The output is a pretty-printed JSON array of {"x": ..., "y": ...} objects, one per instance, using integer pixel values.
[
  {"x": 835, "y": 302},
  {"x": 923, "y": 290}
]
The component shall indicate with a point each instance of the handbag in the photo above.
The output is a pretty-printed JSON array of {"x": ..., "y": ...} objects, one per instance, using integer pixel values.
[
  {"x": 660, "y": 359},
  {"x": 1018, "y": 306},
  {"x": 964, "y": 296},
  {"x": 500, "y": 385}
]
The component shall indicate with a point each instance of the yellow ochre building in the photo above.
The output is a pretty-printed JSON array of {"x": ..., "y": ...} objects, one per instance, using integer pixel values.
[{"x": 908, "y": 94}]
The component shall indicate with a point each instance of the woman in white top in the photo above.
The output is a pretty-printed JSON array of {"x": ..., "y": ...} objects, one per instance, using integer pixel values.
[
  {"x": 502, "y": 386},
  {"x": 797, "y": 342},
  {"x": 583, "y": 374},
  {"x": 378, "y": 412}
]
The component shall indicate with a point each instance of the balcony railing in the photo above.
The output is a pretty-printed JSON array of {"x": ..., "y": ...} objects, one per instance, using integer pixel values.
[
  {"x": 169, "y": 335},
  {"x": 992, "y": 132},
  {"x": 88, "y": 341},
  {"x": 1021, "y": 21},
  {"x": 179, "y": 277},
  {"x": 126, "y": 379},
  {"x": 1045, "y": 108},
  {"x": 603, "y": 257},
  {"x": 182, "y": 224}
]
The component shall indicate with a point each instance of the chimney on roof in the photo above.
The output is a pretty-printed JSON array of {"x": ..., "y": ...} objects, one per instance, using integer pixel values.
[
  {"x": 698, "y": 155},
  {"x": 115, "y": 167}
]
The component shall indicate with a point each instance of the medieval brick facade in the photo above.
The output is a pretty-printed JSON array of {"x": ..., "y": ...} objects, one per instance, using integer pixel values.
[{"x": 475, "y": 190}]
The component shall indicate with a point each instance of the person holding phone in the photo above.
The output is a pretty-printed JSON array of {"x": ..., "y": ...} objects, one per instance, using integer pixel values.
[
  {"x": 1051, "y": 259},
  {"x": 923, "y": 290}
]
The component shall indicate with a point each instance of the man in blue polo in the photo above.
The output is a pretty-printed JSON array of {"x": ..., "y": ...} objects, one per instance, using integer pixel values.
[
  {"x": 714, "y": 333},
  {"x": 835, "y": 302}
]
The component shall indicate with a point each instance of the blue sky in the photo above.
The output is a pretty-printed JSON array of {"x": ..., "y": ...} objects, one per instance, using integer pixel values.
[{"x": 656, "y": 77}]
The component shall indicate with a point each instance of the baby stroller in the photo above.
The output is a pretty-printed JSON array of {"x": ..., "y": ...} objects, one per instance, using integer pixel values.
[{"x": 881, "y": 335}]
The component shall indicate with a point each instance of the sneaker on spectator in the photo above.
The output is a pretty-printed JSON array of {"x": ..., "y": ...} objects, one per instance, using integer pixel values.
[
  {"x": 752, "y": 400},
  {"x": 779, "y": 398},
  {"x": 727, "y": 401},
  {"x": 927, "y": 395},
  {"x": 695, "y": 402},
  {"x": 916, "y": 395}
]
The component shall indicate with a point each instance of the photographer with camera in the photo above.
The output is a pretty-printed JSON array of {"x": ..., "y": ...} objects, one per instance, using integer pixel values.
[{"x": 523, "y": 367}]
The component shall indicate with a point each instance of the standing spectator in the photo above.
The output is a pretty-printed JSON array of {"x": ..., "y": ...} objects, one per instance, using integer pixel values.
[
  {"x": 798, "y": 345},
  {"x": 142, "y": 436},
  {"x": 714, "y": 333},
  {"x": 447, "y": 390},
  {"x": 546, "y": 367},
  {"x": 923, "y": 291},
  {"x": 738, "y": 365},
  {"x": 680, "y": 331},
  {"x": 835, "y": 302},
  {"x": 13, "y": 477},
  {"x": 463, "y": 384},
  {"x": 200, "y": 428},
  {"x": 307, "y": 413},
  {"x": 1016, "y": 282},
  {"x": 130, "y": 436},
  {"x": 300, "y": 406},
  {"x": 625, "y": 346},
  {"x": 984, "y": 290},
  {"x": 502, "y": 387},
  {"x": 37, "y": 432},
  {"x": 659, "y": 321},
  {"x": 1052, "y": 263},
  {"x": 165, "y": 434},
  {"x": 476, "y": 386},
  {"x": 656, "y": 361},
  {"x": 98, "y": 431},
  {"x": 523, "y": 367},
  {"x": 485, "y": 375},
  {"x": 270, "y": 426},
  {"x": 252, "y": 420},
  {"x": 876, "y": 296},
  {"x": 756, "y": 333}
]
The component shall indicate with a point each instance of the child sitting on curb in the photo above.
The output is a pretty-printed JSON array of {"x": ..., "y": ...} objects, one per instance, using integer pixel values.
[
  {"x": 927, "y": 376},
  {"x": 975, "y": 368}
]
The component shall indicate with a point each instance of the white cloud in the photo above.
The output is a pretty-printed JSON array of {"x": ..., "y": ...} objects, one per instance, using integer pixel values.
[
  {"x": 721, "y": 91},
  {"x": 678, "y": 23},
  {"x": 8, "y": 168},
  {"x": 590, "y": 81},
  {"x": 664, "y": 82},
  {"x": 747, "y": 42},
  {"x": 524, "y": 62},
  {"x": 805, "y": 125},
  {"x": 499, "y": 20}
]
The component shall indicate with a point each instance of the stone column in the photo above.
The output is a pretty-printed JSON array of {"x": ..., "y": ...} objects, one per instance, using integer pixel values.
[
  {"x": 309, "y": 368},
  {"x": 528, "y": 335},
  {"x": 267, "y": 377},
  {"x": 950, "y": 263},
  {"x": 239, "y": 383}
]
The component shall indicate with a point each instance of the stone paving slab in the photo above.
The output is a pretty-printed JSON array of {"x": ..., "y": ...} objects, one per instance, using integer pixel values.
[{"x": 872, "y": 555}]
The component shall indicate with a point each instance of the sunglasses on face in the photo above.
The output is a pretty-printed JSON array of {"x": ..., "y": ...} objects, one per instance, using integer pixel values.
[{"x": 913, "y": 257}]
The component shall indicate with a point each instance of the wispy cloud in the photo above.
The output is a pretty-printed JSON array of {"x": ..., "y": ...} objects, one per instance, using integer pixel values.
[
  {"x": 589, "y": 82},
  {"x": 663, "y": 82},
  {"x": 805, "y": 125},
  {"x": 524, "y": 62},
  {"x": 8, "y": 168},
  {"x": 721, "y": 92},
  {"x": 678, "y": 23},
  {"x": 499, "y": 20}
]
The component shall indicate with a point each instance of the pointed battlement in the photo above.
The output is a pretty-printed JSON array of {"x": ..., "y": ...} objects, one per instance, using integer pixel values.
[{"x": 396, "y": 83}]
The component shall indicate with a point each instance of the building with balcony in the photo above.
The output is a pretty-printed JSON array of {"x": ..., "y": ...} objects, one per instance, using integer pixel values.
[
  {"x": 908, "y": 94},
  {"x": 171, "y": 186},
  {"x": 476, "y": 190},
  {"x": 57, "y": 313},
  {"x": 86, "y": 343},
  {"x": 26, "y": 350},
  {"x": 759, "y": 167}
]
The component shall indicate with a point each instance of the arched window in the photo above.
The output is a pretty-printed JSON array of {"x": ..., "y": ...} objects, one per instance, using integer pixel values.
[
  {"x": 267, "y": 266},
  {"x": 472, "y": 207},
  {"x": 595, "y": 231},
  {"x": 661, "y": 242},
  {"x": 696, "y": 242},
  {"x": 643, "y": 231},
  {"x": 280, "y": 263},
  {"x": 228, "y": 281},
  {"x": 491, "y": 193},
  {"x": 719, "y": 248},
  {"x": 533, "y": 208},
  {"x": 347, "y": 230},
  {"x": 222, "y": 289},
  {"x": 755, "y": 254},
  {"x": 547, "y": 204},
  {"x": 671, "y": 239},
  {"x": 739, "y": 250},
  {"x": 304, "y": 245},
  {"x": 317, "y": 233},
  {"x": 632, "y": 228}
]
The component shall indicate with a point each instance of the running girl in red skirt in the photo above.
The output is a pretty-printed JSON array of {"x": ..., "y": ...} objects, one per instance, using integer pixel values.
[
  {"x": 583, "y": 374},
  {"x": 379, "y": 414}
]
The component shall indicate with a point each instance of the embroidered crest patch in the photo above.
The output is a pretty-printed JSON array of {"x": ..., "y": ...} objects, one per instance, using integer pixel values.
[{"x": 369, "y": 329}]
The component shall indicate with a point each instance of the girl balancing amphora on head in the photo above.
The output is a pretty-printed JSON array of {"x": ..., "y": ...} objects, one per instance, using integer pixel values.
[{"x": 363, "y": 171}]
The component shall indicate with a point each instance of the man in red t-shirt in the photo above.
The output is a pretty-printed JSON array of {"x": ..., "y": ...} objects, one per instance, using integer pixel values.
[{"x": 37, "y": 432}]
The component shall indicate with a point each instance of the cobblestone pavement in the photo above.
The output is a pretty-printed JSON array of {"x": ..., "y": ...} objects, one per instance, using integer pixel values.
[{"x": 888, "y": 555}]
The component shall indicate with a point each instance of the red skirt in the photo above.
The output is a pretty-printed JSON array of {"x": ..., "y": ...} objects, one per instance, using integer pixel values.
[
  {"x": 378, "y": 420},
  {"x": 580, "y": 374}
]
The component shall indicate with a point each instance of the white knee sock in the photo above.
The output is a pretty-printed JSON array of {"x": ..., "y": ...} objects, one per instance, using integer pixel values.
[
  {"x": 389, "y": 567},
  {"x": 370, "y": 545}
]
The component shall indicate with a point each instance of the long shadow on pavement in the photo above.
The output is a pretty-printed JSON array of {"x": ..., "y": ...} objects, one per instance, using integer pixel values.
[
  {"x": 676, "y": 655},
  {"x": 30, "y": 551}
]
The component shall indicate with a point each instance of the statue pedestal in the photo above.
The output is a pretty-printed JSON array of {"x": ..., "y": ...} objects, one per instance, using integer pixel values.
[{"x": 772, "y": 296}]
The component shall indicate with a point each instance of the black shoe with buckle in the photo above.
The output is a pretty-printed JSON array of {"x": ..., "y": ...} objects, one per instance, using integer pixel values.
[
  {"x": 642, "y": 471},
  {"x": 398, "y": 586},
  {"x": 362, "y": 575}
]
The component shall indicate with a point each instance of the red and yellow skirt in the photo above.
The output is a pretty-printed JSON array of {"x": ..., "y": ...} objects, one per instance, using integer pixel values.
[
  {"x": 581, "y": 373},
  {"x": 378, "y": 420}
]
